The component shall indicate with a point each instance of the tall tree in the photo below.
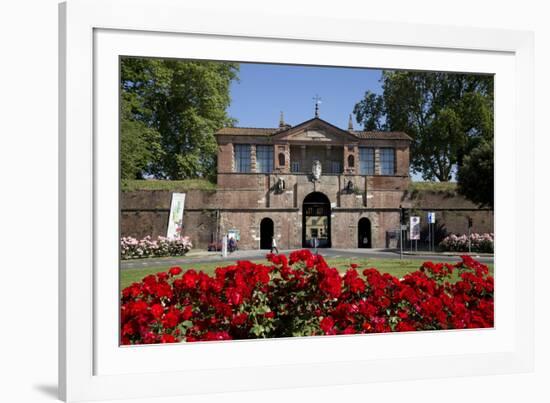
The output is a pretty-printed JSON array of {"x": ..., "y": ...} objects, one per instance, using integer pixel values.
[
  {"x": 446, "y": 114},
  {"x": 174, "y": 107},
  {"x": 139, "y": 144}
]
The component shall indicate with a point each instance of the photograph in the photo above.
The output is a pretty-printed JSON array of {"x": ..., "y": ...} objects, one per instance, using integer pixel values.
[{"x": 262, "y": 200}]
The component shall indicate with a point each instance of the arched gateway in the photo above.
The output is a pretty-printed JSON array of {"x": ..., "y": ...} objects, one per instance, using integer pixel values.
[
  {"x": 316, "y": 221},
  {"x": 364, "y": 233},
  {"x": 266, "y": 233}
]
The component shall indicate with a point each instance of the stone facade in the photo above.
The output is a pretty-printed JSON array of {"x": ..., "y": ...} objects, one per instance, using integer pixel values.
[{"x": 354, "y": 183}]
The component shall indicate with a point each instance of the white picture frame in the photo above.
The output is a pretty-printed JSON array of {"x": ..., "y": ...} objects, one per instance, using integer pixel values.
[{"x": 93, "y": 35}]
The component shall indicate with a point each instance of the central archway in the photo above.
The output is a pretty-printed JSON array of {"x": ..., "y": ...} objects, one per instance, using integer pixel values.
[{"x": 316, "y": 221}]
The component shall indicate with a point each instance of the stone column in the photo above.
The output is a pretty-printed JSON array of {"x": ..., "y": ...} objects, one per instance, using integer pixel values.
[
  {"x": 377, "y": 166},
  {"x": 253, "y": 158},
  {"x": 328, "y": 160}
]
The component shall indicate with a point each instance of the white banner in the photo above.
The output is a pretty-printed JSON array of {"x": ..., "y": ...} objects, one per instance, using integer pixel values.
[
  {"x": 175, "y": 222},
  {"x": 414, "y": 230}
]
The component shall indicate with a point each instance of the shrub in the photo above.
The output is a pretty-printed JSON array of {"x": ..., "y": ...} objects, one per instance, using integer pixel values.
[
  {"x": 132, "y": 248},
  {"x": 459, "y": 243},
  {"x": 302, "y": 296}
]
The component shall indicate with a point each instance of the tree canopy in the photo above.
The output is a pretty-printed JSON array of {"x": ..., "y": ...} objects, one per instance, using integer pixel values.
[
  {"x": 446, "y": 114},
  {"x": 476, "y": 175},
  {"x": 170, "y": 110}
]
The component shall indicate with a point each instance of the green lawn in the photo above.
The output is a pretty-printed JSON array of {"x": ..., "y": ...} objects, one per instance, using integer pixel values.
[
  {"x": 395, "y": 267},
  {"x": 433, "y": 186},
  {"x": 157, "y": 184}
]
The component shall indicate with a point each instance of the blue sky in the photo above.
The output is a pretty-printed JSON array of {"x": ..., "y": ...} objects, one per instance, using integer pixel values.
[{"x": 264, "y": 90}]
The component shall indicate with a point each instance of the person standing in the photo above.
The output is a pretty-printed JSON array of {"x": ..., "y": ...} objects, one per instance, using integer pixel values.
[{"x": 274, "y": 245}]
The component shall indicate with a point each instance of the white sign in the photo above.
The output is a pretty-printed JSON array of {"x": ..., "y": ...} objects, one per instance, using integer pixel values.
[
  {"x": 234, "y": 233},
  {"x": 224, "y": 246},
  {"x": 414, "y": 231},
  {"x": 175, "y": 222},
  {"x": 431, "y": 217}
]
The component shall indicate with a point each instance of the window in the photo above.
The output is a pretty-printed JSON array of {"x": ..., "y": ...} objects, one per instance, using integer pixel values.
[
  {"x": 366, "y": 161},
  {"x": 242, "y": 157},
  {"x": 335, "y": 167},
  {"x": 387, "y": 161},
  {"x": 264, "y": 159},
  {"x": 351, "y": 161},
  {"x": 281, "y": 159},
  {"x": 295, "y": 166}
]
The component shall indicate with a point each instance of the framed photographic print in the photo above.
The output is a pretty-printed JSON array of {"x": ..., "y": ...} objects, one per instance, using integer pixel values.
[{"x": 250, "y": 202}]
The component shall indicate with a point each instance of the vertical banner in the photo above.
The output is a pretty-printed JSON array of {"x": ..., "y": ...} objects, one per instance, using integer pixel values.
[
  {"x": 175, "y": 222},
  {"x": 414, "y": 229},
  {"x": 224, "y": 246}
]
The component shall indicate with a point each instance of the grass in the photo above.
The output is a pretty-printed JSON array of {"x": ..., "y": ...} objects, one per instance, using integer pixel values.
[
  {"x": 157, "y": 184},
  {"x": 444, "y": 187},
  {"x": 395, "y": 267}
]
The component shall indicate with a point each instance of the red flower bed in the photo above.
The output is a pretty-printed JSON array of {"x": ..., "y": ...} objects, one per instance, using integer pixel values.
[{"x": 303, "y": 296}]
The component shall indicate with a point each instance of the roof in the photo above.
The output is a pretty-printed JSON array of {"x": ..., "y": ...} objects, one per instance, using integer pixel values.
[
  {"x": 247, "y": 131},
  {"x": 267, "y": 132},
  {"x": 379, "y": 135}
]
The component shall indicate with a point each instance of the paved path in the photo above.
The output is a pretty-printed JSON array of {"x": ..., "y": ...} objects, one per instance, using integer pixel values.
[{"x": 207, "y": 257}]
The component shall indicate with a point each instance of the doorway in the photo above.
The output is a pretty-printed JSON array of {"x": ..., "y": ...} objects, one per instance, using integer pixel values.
[
  {"x": 266, "y": 233},
  {"x": 316, "y": 221},
  {"x": 364, "y": 233}
]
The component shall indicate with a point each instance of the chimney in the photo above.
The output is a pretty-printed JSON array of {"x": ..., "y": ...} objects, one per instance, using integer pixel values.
[
  {"x": 282, "y": 124},
  {"x": 282, "y": 120}
]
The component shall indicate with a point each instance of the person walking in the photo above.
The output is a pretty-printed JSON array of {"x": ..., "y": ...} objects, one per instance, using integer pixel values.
[
  {"x": 274, "y": 245},
  {"x": 232, "y": 245}
]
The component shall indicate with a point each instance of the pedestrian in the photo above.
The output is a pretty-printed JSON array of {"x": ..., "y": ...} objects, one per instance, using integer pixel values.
[
  {"x": 274, "y": 245},
  {"x": 232, "y": 245}
]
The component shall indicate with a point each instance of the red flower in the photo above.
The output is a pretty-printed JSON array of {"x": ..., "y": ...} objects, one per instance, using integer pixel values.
[
  {"x": 327, "y": 324},
  {"x": 157, "y": 310},
  {"x": 167, "y": 338},
  {"x": 171, "y": 319},
  {"x": 189, "y": 278},
  {"x": 174, "y": 271},
  {"x": 239, "y": 319},
  {"x": 187, "y": 312}
]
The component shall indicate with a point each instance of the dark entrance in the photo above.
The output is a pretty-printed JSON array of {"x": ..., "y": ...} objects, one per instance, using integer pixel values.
[
  {"x": 316, "y": 221},
  {"x": 364, "y": 233},
  {"x": 266, "y": 233}
]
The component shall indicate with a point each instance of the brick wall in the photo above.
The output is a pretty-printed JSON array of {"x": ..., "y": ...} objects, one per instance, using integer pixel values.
[{"x": 146, "y": 212}]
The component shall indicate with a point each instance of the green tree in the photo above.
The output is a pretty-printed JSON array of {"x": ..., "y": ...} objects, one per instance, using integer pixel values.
[
  {"x": 170, "y": 112},
  {"x": 446, "y": 114},
  {"x": 139, "y": 144},
  {"x": 476, "y": 175}
]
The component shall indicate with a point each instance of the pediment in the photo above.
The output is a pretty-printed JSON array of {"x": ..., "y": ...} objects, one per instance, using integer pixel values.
[{"x": 316, "y": 131}]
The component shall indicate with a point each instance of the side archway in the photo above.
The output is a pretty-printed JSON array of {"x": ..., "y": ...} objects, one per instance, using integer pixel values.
[
  {"x": 266, "y": 233},
  {"x": 364, "y": 233}
]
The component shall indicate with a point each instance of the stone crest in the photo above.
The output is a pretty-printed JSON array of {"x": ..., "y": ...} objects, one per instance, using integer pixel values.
[{"x": 316, "y": 170}]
